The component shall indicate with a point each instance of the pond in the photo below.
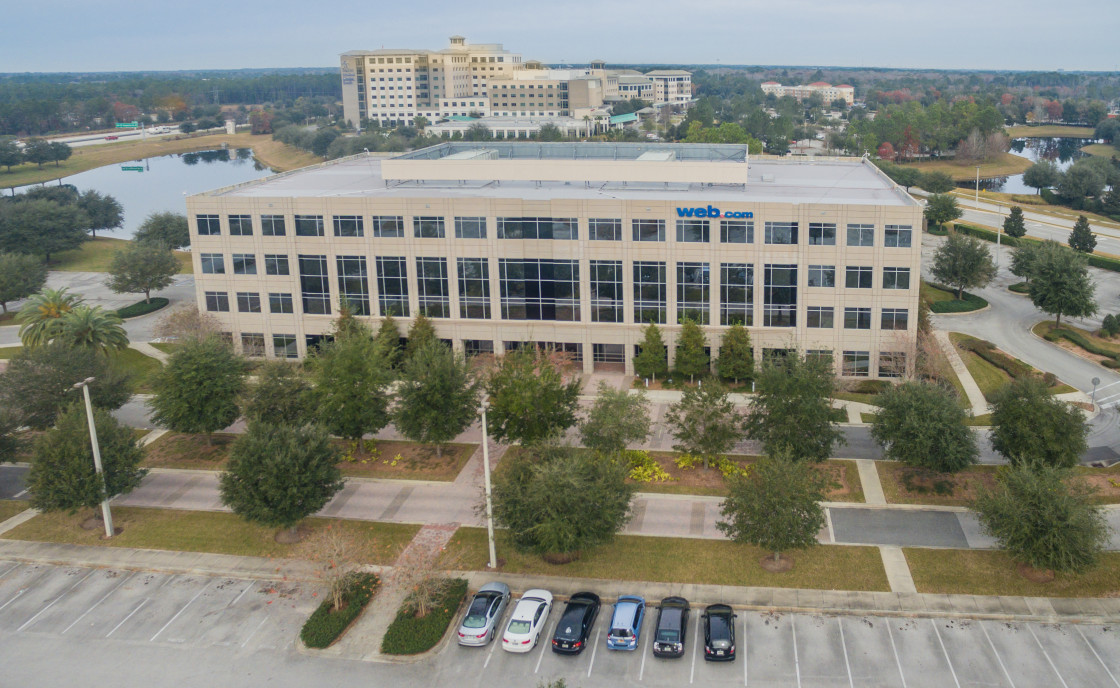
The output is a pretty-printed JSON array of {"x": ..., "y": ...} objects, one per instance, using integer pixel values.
[
  {"x": 1063, "y": 152},
  {"x": 162, "y": 183}
]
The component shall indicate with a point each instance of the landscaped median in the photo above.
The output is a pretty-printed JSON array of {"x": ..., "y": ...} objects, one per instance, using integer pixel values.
[
  {"x": 411, "y": 635},
  {"x": 904, "y": 484},
  {"x": 944, "y": 300},
  {"x": 992, "y": 572},
  {"x": 1081, "y": 342},
  {"x": 992, "y": 368},
  {"x": 326, "y": 623},
  {"x": 142, "y": 307}
]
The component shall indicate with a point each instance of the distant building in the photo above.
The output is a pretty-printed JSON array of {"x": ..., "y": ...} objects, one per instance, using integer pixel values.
[{"x": 827, "y": 91}]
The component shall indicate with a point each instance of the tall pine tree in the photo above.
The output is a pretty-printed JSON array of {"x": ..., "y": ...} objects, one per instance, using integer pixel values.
[
  {"x": 1013, "y": 226},
  {"x": 1081, "y": 238}
]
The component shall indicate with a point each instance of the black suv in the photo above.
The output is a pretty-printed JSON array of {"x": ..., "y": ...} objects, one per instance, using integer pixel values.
[
  {"x": 672, "y": 623},
  {"x": 575, "y": 624},
  {"x": 719, "y": 633}
]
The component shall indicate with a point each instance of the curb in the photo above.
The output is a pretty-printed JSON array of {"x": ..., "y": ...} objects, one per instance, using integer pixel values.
[{"x": 953, "y": 315}]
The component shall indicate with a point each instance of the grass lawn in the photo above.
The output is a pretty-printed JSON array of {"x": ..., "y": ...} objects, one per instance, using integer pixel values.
[
  {"x": 1102, "y": 149},
  {"x": 859, "y": 397},
  {"x": 180, "y": 450},
  {"x": 1048, "y": 130},
  {"x": 1105, "y": 480},
  {"x": 1004, "y": 165},
  {"x": 165, "y": 347},
  {"x": 687, "y": 560},
  {"x": 1037, "y": 205},
  {"x": 981, "y": 420},
  {"x": 943, "y": 300},
  {"x": 867, "y": 417},
  {"x": 987, "y": 376},
  {"x": 11, "y": 507},
  {"x": 1104, "y": 344},
  {"x": 986, "y": 572},
  {"x": 7, "y": 352},
  {"x": 905, "y": 485},
  {"x": 140, "y": 365},
  {"x": 203, "y": 531},
  {"x": 96, "y": 254}
]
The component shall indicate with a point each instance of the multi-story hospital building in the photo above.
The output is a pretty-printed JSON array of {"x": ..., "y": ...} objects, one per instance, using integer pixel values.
[{"x": 575, "y": 245}]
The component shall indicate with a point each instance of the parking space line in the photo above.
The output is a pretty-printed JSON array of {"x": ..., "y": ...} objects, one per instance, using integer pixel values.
[
  {"x": 14, "y": 598},
  {"x": 32, "y": 619},
  {"x": 692, "y": 674},
  {"x": 844, "y": 649},
  {"x": 493, "y": 646},
  {"x": 237, "y": 599},
  {"x": 895, "y": 651},
  {"x": 796, "y": 662},
  {"x": 743, "y": 645},
  {"x": 142, "y": 603},
  {"x": 14, "y": 567},
  {"x": 95, "y": 604},
  {"x": 20, "y": 494},
  {"x": 828, "y": 520},
  {"x": 649, "y": 641},
  {"x": 1046, "y": 655},
  {"x": 996, "y": 653},
  {"x": 258, "y": 627},
  {"x": 940, "y": 642},
  {"x": 594, "y": 649},
  {"x": 1094, "y": 651},
  {"x": 544, "y": 645},
  {"x": 179, "y": 612}
]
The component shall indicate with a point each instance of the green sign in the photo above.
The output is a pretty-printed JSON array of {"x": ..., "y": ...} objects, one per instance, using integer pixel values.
[
  {"x": 132, "y": 168},
  {"x": 127, "y": 125}
]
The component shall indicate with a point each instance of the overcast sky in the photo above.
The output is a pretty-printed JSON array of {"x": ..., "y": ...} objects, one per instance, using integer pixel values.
[{"x": 111, "y": 35}]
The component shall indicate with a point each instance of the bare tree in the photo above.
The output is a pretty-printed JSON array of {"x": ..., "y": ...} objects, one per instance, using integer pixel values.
[
  {"x": 338, "y": 553},
  {"x": 420, "y": 572},
  {"x": 187, "y": 323}
]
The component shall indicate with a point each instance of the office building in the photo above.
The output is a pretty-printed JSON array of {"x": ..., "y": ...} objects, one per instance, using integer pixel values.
[{"x": 826, "y": 91}]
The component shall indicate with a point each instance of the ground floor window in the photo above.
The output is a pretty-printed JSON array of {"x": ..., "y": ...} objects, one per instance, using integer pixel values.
[
  {"x": 252, "y": 344},
  {"x": 608, "y": 353},
  {"x": 474, "y": 347},
  {"x": 856, "y": 364}
]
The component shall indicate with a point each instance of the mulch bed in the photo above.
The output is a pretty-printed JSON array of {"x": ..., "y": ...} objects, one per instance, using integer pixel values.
[
  {"x": 907, "y": 485},
  {"x": 709, "y": 481}
]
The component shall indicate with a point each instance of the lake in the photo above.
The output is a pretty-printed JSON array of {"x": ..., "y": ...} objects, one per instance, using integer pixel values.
[
  {"x": 1063, "y": 152},
  {"x": 163, "y": 183}
]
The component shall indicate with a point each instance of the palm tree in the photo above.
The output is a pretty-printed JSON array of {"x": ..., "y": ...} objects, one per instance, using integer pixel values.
[
  {"x": 40, "y": 316},
  {"x": 92, "y": 327}
]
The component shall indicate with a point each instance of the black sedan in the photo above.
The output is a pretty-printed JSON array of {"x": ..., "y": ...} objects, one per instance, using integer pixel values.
[
  {"x": 719, "y": 633},
  {"x": 672, "y": 623},
  {"x": 575, "y": 623}
]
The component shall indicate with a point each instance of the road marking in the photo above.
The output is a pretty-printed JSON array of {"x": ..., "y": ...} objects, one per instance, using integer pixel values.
[
  {"x": 13, "y": 568},
  {"x": 1094, "y": 651},
  {"x": 940, "y": 642},
  {"x": 1111, "y": 384},
  {"x": 544, "y": 646},
  {"x": 237, "y": 599},
  {"x": 895, "y": 651},
  {"x": 14, "y": 598},
  {"x": 179, "y": 612},
  {"x": 743, "y": 644},
  {"x": 19, "y": 494},
  {"x": 642, "y": 670},
  {"x": 1046, "y": 655},
  {"x": 594, "y": 649},
  {"x": 32, "y": 619},
  {"x": 95, "y": 604},
  {"x": 692, "y": 674},
  {"x": 796, "y": 661},
  {"x": 493, "y": 646},
  {"x": 142, "y": 603},
  {"x": 258, "y": 627},
  {"x": 828, "y": 520},
  {"x": 996, "y": 653},
  {"x": 844, "y": 647}
]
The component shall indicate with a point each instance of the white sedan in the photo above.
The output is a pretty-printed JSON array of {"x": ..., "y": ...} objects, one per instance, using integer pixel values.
[{"x": 527, "y": 621}]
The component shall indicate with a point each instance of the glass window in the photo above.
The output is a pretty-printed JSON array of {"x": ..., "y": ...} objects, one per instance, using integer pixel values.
[
  {"x": 388, "y": 226},
  {"x": 894, "y": 319},
  {"x": 781, "y": 233},
  {"x": 820, "y": 317},
  {"x": 476, "y": 347},
  {"x": 474, "y": 289},
  {"x": 693, "y": 231},
  {"x": 856, "y": 364},
  {"x": 433, "y": 297},
  {"x": 779, "y": 296},
  {"x": 822, "y": 234},
  {"x": 272, "y": 225},
  {"x": 892, "y": 363},
  {"x": 349, "y": 226},
  {"x": 693, "y": 292},
  {"x": 309, "y": 225},
  {"x": 275, "y": 264},
  {"x": 857, "y": 318},
  {"x": 736, "y": 231},
  {"x": 428, "y": 228},
  {"x": 248, "y": 302},
  {"x": 861, "y": 235},
  {"x": 470, "y": 228},
  {"x": 818, "y": 355},
  {"x": 208, "y": 225},
  {"x": 217, "y": 301},
  {"x": 314, "y": 288},
  {"x": 736, "y": 297},
  {"x": 240, "y": 225},
  {"x": 285, "y": 346},
  {"x": 252, "y": 344},
  {"x": 896, "y": 278},
  {"x": 606, "y": 290},
  {"x": 353, "y": 283},
  {"x": 280, "y": 303},
  {"x": 538, "y": 228},
  {"x": 648, "y": 230},
  {"x": 244, "y": 264},
  {"x": 539, "y": 289},
  {"x": 392, "y": 286},
  {"x": 822, "y": 276},
  {"x": 212, "y": 264},
  {"x": 649, "y": 292},
  {"x": 604, "y": 229},
  {"x": 897, "y": 236},
  {"x": 857, "y": 277}
]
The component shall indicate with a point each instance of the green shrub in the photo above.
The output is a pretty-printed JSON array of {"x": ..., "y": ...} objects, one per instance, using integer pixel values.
[
  {"x": 987, "y": 234},
  {"x": 871, "y": 387},
  {"x": 970, "y": 302},
  {"x": 408, "y": 635},
  {"x": 987, "y": 351},
  {"x": 938, "y": 231},
  {"x": 1104, "y": 262},
  {"x": 141, "y": 308},
  {"x": 1084, "y": 342},
  {"x": 1020, "y": 288},
  {"x": 323, "y": 627},
  {"x": 1109, "y": 326}
]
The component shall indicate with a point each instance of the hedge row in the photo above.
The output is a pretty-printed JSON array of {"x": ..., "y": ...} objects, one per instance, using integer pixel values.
[
  {"x": 1112, "y": 359},
  {"x": 987, "y": 351},
  {"x": 323, "y": 627},
  {"x": 408, "y": 635},
  {"x": 1102, "y": 262},
  {"x": 1020, "y": 288},
  {"x": 142, "y": 308}
]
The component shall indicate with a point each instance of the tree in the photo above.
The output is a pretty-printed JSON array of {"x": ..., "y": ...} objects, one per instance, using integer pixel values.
[
  {"x": 705, "y": 422},
  {"x": 651, "y": 360},
  {"x": 60, "y": 151},
  {"x": 792, "y": 410},
  {"x": 198, "y": 388},
  {"x": 936, "y": 183},
  {"x": 963, "y": 262},
  {"x": 165, "y": 229},
  {"x": 1013, "y": 226},
  {"x": 62, "y": 476},
  {"x": 941, "y": 208},
  {"x": 279, "y": 475},
  {"x": 142, "y": 268},
  {"x": 736, "y": 357},
  {"x": 437, "y": 397},
  {"x": 420, "y": 334},
  {"x": 1081, "y": 238},
  {"x": 776, "y": 507},
  {"x": 1044, "y": 518},
  {"x": 1030, "y": 426},
  {"x": 10, "y": 154},
  {"x": 40, "y": 317},
  {"x": 691, "y": 357},
  {"x": 281, "y": 396},
  {"x": 1041, "y": 175},
  {"x": 39, "y": 382},
  {"x": 921, "y": 425},
  {"x": 11, "y": 444},
  {"x": 42, "y": 227},
  {"x": 907, "y": 176},
  {"x": 387, "y": 341},
  {"x": 350, "y": 387},
  {"x": 549, "y": 132},
  {"x": 1023, "y": 259},
  {"x": 542, "y": 496},
  {"x": 616, "y": 420},
  {"x": 20, "y": 276},
  {"x": 1079, "y": 181},
  {"x": 530, "y": 401},
  {"x": 103, "y": 211},
  {"x": 1061, "y": 284},
  {"x": 93, "y": 328},
  {"x": 187, "y": 322},
  {"x": 38, "y": 151},
  {"x": 420, "y": 122}
]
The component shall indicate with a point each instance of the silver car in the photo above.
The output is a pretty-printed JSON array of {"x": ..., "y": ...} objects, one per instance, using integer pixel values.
[{"x": 480, "y": 623}]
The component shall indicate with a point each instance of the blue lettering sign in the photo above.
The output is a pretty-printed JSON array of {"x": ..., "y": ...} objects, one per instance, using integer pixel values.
[{"x": 712, "y": 211}]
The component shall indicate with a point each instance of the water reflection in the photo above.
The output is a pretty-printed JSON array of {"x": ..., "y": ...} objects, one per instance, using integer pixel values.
[{"x": 1061, "y": 151}]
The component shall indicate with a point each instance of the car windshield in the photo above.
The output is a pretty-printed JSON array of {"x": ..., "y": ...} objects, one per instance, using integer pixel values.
[
  {"x": 668, "y": 636},
  {"x": 519, "y": 627}
]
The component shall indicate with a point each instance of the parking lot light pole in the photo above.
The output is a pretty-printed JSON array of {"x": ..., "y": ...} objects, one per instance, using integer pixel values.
[
  {"x": 486, "y": 476},
  {"x": 106, "y": 514}
]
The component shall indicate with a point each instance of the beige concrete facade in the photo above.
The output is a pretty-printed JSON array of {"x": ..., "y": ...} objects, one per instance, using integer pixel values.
[{"x": 827, "y": 92}]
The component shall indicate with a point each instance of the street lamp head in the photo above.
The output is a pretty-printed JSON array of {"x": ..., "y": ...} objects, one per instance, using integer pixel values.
[{"x": 83, "y": 383}]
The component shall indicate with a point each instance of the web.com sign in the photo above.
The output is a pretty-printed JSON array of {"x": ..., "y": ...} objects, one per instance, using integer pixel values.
[{"x": 712, "y": 211}]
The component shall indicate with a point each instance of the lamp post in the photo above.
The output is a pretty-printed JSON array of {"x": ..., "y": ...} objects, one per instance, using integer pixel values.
[
  {"x": 1096, "y": 381},
  {"x": 486, "y": 476},
  {"x": 106, "y": 514}
]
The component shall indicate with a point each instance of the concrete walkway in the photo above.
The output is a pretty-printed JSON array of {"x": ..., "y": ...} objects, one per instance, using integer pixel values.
[
  {"x": 149, "y": 350},
  {"x": 972, "y": 391}
]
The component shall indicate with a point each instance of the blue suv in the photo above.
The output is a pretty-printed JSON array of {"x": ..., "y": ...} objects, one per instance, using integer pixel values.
[{"x": 626, "y": 623}]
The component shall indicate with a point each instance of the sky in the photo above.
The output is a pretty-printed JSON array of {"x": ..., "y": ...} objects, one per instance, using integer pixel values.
[{"x": 111, "y": 35}]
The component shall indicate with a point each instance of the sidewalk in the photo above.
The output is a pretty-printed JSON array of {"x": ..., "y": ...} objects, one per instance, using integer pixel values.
[{"x": 972, "y": 391}]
